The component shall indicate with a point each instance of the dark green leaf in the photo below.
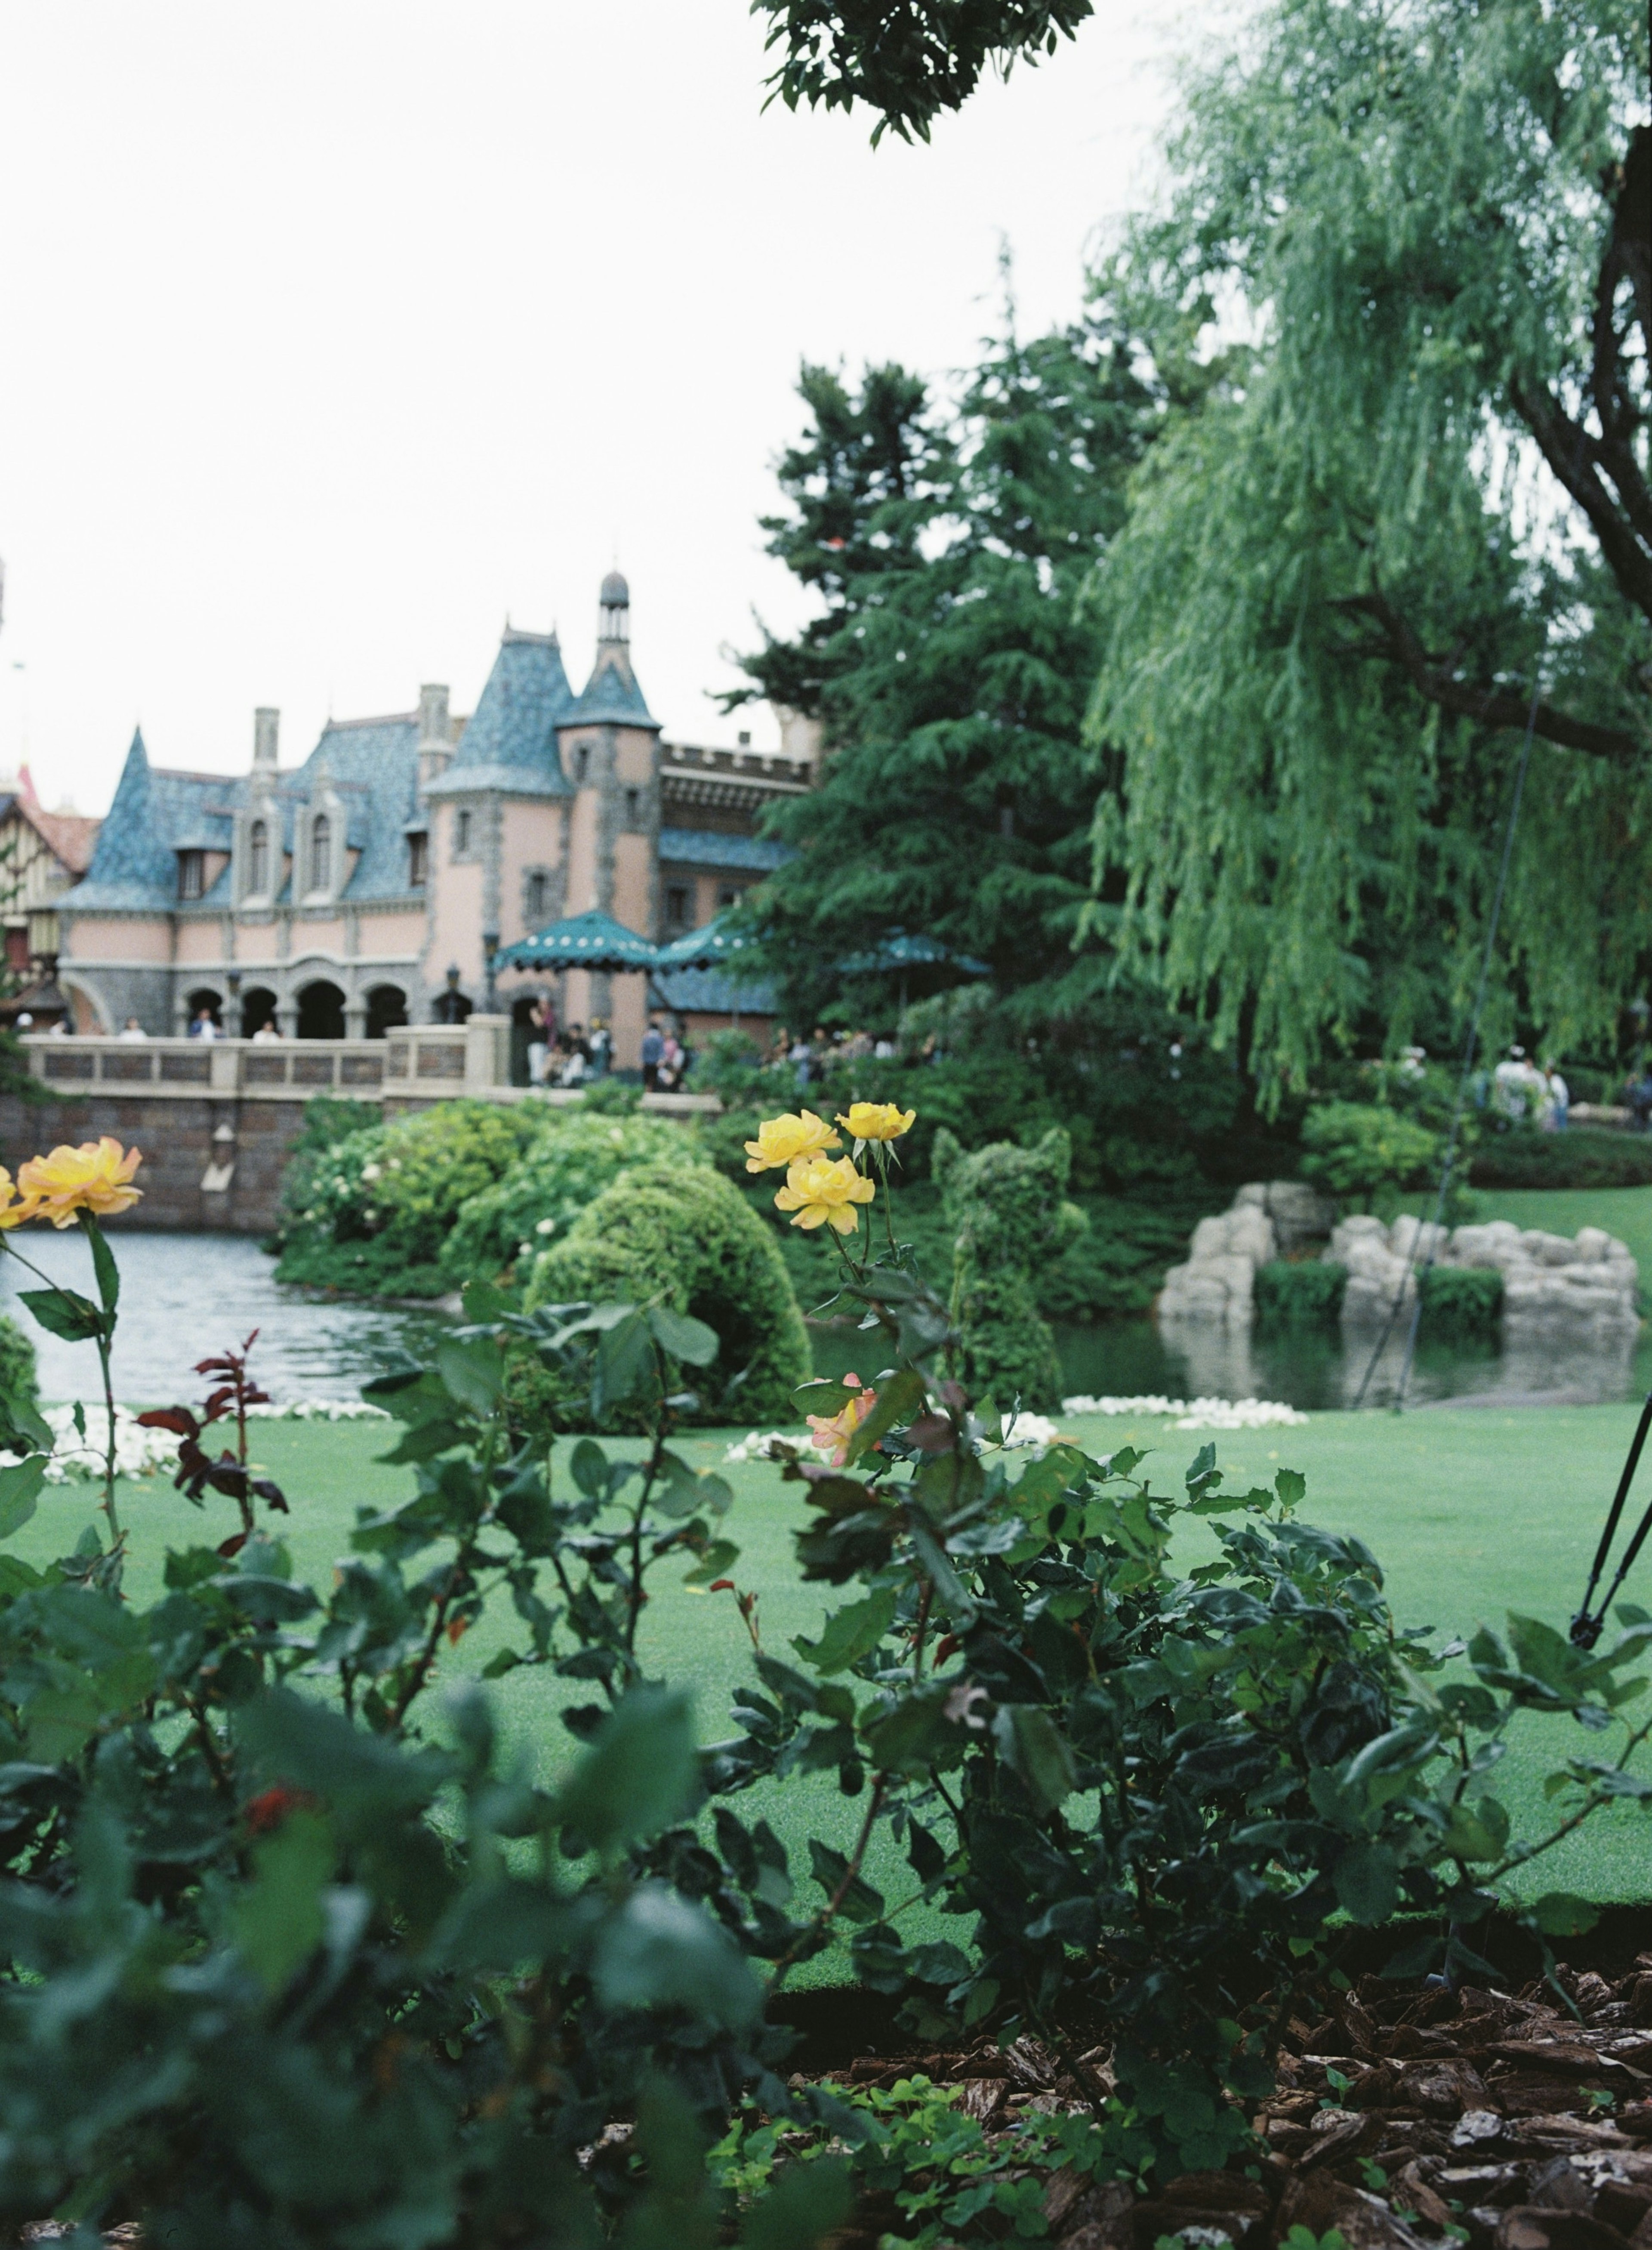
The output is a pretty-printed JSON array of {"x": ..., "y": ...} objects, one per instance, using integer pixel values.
[
  {"x": 64, "y": 1313},
  {"x": 682, "y": 1335},
  {"x": 640, "y": 1774},
  {"x": 20, "y": 1493}
]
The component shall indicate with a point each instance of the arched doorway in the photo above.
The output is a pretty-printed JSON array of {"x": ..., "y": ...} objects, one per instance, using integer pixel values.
[
  {"x": 320, "y": 1011},
  {"x": 204, "y": 996},
  {"x": 385, "y": 1009},
  {"x": 258, "y": 1008}
]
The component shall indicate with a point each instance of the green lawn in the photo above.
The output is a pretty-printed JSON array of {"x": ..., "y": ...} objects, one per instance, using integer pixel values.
[{"x": 1472, "y": 1512}]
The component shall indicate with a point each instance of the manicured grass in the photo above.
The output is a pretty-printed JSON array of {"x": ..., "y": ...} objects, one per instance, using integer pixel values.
[
  {"x": 1626, "y": 1213},
  {"x": 1472, "y": 1512}
]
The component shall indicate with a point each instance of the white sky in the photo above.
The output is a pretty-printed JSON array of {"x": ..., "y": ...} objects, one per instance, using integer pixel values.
[{"x": 334, "y": 331}]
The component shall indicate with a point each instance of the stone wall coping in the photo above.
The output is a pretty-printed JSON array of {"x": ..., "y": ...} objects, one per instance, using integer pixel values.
[{"x": 412, "y": 1067}]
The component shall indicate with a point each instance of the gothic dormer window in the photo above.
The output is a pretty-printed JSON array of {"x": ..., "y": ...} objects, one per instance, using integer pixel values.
[
  {"x": 418, "y": 860},
  {"x": 258, "y": 858},
  {"x": 191, "y": 874},
  {"x": 581, "y": 764},
  {"x": 322, "y": 853}
]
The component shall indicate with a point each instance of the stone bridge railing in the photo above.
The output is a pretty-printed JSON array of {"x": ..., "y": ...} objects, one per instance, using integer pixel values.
[
  {"x": 217, "y": 1120},
  {"x": 406, "y": 1068}
]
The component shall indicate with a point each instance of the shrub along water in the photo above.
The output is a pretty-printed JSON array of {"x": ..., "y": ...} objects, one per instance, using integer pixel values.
[
  {"x": 296, "y": 1959},
  {"x": 1303, "y": 1294}
]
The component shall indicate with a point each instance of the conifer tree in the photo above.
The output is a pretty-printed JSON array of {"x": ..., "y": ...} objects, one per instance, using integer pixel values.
[{"x": 951, "y": 666}]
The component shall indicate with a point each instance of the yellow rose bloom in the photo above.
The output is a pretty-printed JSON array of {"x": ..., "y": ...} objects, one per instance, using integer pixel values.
[
  {"x": 96, "y": 1177},
  {"x": 14, "y": 1209},
  {"x": 823, "y": 1191},
  {"x": 782, "y": 1141},
  {"x": 878, "y": 1120}
]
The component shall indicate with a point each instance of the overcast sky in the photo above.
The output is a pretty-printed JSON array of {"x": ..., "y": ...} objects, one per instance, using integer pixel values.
[{"x": 335, "y": 331}]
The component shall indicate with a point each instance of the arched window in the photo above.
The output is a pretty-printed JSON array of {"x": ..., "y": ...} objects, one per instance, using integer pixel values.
[
  {"x": 322, "y": 853},
  {"x": 258, "y": 858}
]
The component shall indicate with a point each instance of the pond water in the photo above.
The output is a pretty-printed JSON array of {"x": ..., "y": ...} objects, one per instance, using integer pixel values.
[{"x": 185, "y": 1295}]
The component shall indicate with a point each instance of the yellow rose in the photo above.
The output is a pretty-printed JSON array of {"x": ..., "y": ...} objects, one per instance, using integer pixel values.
[
  {"x": 96, "y": 1177},
  {"x": 823, "y": 1191},
  {"x": 878, "y": 1120},
  {"x": 782, "y": 1141},
  {"x": 14, "y": 1209}
]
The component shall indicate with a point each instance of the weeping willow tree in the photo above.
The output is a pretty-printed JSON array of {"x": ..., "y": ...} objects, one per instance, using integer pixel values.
[{"x": 1406, "y": 514}]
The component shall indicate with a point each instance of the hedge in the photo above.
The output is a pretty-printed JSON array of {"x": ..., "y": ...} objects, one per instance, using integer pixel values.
[
  {"x": 679, "y": 1234},
  {"x": 1306, "y": 1295},
  {"x": 1583, "y": 1157}
]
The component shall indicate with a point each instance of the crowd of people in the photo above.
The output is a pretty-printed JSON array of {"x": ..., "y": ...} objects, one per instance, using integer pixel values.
[
  {"x": 1529, "y": 1092},
  {"x": 571, "y": 1056},
  {"x": 811, "y": 1055}
]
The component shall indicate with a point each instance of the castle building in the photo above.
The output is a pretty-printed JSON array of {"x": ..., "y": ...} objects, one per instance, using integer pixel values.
[{"x": 373, "y": 885}]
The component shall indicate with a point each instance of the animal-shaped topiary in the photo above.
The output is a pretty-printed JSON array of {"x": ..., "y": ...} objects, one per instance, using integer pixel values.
[{"x": 1005, "y": 1205}]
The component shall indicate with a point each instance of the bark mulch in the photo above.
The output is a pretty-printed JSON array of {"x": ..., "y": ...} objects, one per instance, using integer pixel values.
[{"x": 1407, "y": 2115}]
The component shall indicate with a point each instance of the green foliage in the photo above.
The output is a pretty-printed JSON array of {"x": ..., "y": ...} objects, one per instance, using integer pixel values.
[
  {"x": 1307, "y": 1294},
  {"x": 1364, "y": 1154},
  {"x": 677, "y": 1234},
  {"x": 1582, "y": 1156},
  {"x": 1010, "y": 1219},
  {"x": 911, "y": 60},
  {"x": 18, "y": 1377},
  {"x": 282, "y": 1967},
  {"x": 371, "y": 1208},
  {"x": 951, "y": 672},
  {"x": 950, "y": 2180},
  {"x": 1335, "y": 591},
  {"x": 289, "y": 1958},
  {"x": 1461, "y": 1300},
  {"x": 564, "y": 1169}
]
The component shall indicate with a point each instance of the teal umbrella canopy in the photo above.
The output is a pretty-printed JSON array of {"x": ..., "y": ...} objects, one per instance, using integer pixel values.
[
  {"x": 703, "y": 948},
  {"x": 587, "y": 941}
]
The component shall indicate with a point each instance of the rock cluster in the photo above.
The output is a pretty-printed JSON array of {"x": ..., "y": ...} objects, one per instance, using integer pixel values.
[
  {"x": 1268, "y": 1219},
  {"x": 1548, "y": 1279},
  {"x": 1586, "y": 1285}
]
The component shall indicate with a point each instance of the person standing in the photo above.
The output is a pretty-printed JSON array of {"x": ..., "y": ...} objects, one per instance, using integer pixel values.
[
  {"x": 653, "y": 1054},
  {"x": 1556, "y": 1098},
  {"x": 602, "y": 1046}
]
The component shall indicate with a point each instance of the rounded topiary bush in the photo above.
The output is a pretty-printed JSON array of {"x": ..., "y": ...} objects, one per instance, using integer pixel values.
[
  {"x": 678, "y": 1234},
  {"x": 377, "y": 1207},
  {"x": 579, "y": 1152}
]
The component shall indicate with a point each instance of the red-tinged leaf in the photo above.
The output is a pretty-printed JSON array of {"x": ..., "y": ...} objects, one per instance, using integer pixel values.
[
  {"x": 178, "y": 1419},
  {"x": 268, "y": 1490},
  {"x": 456, "y": 1629},
  {"x": 948, "y": 1646},
  {"x": 931, "y": 1433},
  {"x": 220, "y": 1365},
  {"x": 267, "y": 1811},
  {"x": 720, "y": 1586},
  {"x": 232, "y": 1546},
  {"x": 253, "y": 1396}
]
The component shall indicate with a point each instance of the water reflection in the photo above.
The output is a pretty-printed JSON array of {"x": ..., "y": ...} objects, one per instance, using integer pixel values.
[
  {"x": 183, "y": 1295},
  {"x": 186, "y": 1295},
  {"x": 1322, "y": 1370}
]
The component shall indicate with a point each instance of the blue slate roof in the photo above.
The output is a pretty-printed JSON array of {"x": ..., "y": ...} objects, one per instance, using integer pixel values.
[
  {"x": 707, "y": 847},
  {"x": 373, "y": 765},
  {"x": 510, "y": 742},
  {"x": 612, "y": 696},
  {"x": 711, "y": 993}
]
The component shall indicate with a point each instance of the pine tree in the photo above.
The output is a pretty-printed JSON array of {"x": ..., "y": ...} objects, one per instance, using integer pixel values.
[{"x": 952, "y": 665}]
